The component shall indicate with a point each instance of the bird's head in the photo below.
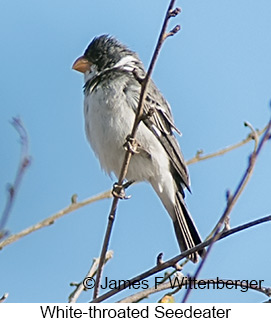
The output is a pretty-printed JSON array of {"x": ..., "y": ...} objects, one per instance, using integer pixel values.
[{"x": 102, "y": 53}]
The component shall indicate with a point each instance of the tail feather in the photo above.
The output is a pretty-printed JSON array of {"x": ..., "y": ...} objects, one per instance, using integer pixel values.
[{"x": 185, "y": 229}]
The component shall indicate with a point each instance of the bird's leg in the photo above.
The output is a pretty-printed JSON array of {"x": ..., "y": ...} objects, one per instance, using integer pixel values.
[
  {"x": 119, "y": 190},
  {"x": 131, "y": 144}
]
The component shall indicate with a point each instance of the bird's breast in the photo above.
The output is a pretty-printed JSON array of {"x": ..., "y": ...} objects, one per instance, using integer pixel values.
[
  {"x": 108, "y": 121},
  {"x": 109, "y": 118}
]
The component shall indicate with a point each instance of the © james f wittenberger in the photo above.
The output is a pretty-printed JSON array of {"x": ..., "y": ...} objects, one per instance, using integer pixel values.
[{"x": 177, "y": 281}]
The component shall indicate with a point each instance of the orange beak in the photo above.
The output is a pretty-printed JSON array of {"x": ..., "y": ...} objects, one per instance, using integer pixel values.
[{"x": 81, "y": 64}]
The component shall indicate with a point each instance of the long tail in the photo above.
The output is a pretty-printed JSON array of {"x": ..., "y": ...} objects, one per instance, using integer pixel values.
[
  {"x": 185, "y": 228},
  {"x": 186, "y": 232}
]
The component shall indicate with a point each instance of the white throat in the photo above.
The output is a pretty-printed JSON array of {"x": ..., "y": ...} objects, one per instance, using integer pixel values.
[{"x": 127, "y": 63}]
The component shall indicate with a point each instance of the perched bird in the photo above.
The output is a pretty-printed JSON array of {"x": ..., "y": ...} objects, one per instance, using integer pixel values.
[{"x": 112, "y": 89}]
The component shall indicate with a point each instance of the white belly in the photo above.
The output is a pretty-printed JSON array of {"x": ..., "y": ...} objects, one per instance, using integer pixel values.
[{"x": 107, "y": 123}]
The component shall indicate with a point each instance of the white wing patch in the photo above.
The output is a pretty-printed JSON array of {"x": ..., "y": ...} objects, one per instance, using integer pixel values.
[{"x": 156, "y": 130}]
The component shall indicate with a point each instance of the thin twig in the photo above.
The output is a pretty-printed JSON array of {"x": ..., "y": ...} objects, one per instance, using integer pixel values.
[
  {"x": 185, "y": 282},
  {"x": 4, "y": 297},
  {"x": 200, "y": 157},
  {"x": 232, "y": 200},
  {"x": 81, "y": 286},
  {"x": 171, "y": 262},
  {"x": 128, "y": 154},
  {"x": 50, "y": 220},
  {"x": 23, "y": 164},
  {"x": 226, "y": 233},
  {"x": 146, "y": 293}
]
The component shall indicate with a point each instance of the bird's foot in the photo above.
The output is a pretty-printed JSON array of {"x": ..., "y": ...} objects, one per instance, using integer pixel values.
[
  {"x": 119, "y": 190},
  {"x": 131, "y": 145}
]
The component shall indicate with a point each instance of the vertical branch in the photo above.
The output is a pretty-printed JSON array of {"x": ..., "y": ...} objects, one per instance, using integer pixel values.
[
  {"x": 128, "y": 155},
  {"x": 23, "y": 164},
  {"x": 233, "y": 199},
  {"x": 92, "y": 271}
]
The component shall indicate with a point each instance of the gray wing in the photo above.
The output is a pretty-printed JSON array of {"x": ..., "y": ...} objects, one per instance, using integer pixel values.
[{"x": 160, "y": 121}]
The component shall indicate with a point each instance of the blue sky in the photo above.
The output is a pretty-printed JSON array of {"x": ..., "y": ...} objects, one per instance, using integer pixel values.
[{"x": 216, "y": 74}]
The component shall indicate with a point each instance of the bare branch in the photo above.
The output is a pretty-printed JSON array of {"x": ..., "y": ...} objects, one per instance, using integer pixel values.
[
  {"x": 171, "y": 262},
  {"x": 23, "y": 164},
  {"x": 254, "y": 135},
  {"x": 145, "y": 293},
  {"x": 81, "y": 286},
  {"x": 179, "y": 283},
  {"x": 129, "y": 152},
  {"x": 174, "y": 12},
  {"x": 172, "y": 32},
  {"x": 4, "y": 297},
  {"x": 51, "y": 219},
  {"x": 200, "y": 157},
  {"x": 233, "y": 199}
]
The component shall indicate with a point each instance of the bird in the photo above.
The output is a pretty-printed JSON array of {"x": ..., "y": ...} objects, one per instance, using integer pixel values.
[{"x": 112, "y": 74}]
